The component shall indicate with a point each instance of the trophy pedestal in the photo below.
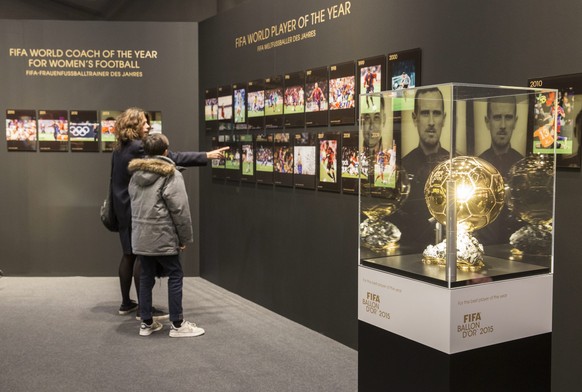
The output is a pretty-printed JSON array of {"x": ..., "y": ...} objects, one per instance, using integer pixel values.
[
  {"x": 485, "y": 336},
  {"x": 389, "y": 362}
]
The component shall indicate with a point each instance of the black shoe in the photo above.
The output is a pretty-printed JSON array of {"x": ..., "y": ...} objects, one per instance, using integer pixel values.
[
  {"x": 127, "y": 309},
  {"x": 157, "y": 314}
]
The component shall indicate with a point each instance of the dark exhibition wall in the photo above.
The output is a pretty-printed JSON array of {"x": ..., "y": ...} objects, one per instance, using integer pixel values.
[
  {"x": 50, "y": 200},
  {"x": 294, "y": 250}
]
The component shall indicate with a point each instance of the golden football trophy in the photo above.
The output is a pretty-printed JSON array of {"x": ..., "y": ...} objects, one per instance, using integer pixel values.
[
  {"x": 465, "y": 194},
  {"x": 376, "y": 231},
  {"x": 531, "y": 184}
]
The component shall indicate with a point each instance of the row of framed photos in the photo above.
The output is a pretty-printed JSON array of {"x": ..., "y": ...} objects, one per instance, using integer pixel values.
[
  {"x": 66, "y": 130},
  {"x": 327, "y": 161},
  {"x": 313, "y": 98}
]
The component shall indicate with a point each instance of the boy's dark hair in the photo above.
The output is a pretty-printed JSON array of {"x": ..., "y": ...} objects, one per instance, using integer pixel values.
[{"x": 155, "y": 144}]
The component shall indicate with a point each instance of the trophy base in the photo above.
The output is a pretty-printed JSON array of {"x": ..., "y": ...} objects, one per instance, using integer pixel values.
[
  {"x": 533, "y": 240},
  {"x": 380, "y": 236},
  {"x": 469, "y": 253}
]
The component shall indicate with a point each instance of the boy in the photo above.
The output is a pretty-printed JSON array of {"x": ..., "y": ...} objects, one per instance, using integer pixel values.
[{"x": 161, "y": 228}]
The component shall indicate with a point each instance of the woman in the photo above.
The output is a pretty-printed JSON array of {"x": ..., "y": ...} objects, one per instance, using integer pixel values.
[{"x": 130, "y": 128}]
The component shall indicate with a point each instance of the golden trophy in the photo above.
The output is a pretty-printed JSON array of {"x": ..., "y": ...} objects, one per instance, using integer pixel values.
[
  {"x": 531, "y": 184},
  {"x": 465, "y": 194},
  {"x": 377, "y": 233}
]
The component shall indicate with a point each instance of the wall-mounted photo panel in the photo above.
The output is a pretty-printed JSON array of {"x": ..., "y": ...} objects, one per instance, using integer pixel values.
[
  {"x": 154, "y": 119},
  {"x": 239, "y": 93},
  {"x": 316, "y": 97},
  {"x": 274, "y": 102},
  {"x": 294, "y": 100},
  {"x": 371, "y": 79},
  {"x": 21, "y": 130},
  {"x": 568, "y": 135},
  {"x": 53, "y": 130},
  {"x": 224, "y": 108},
  {"x": 211, "y": 109},
  {"x": 350, "y": 163},
  {"x": 256, "y": 104},
  {"x": 404, "y": 73},
  {"x": 342, "y": 94},
  {"x": 108, "y": 118},
  {"x": 232, "y": 157},
  {"x": 218, "y": 165},
  {"x": 329, "y": 170},
  {"x": 84, "y": 130},
  {"x": 247, "y": 158},
  {"x": 282, "y": 159},
  {"x": 264, "y": 159},
  {"x": 304, "y": 160}
]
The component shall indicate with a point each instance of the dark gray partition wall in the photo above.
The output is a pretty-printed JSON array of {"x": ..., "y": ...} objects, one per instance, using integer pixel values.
[
  {"x": 49, "y": 201},
  {"x": 294, "y": 251}
]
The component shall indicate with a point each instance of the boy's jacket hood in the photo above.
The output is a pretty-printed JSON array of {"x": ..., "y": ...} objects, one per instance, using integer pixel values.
[{"x": 147, "y": 170}]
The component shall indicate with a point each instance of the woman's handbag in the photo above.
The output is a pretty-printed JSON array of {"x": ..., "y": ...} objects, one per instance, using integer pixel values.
[{"x": 108, "y": 217}]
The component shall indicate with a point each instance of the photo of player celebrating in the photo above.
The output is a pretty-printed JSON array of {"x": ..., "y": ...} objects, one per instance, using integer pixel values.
[
  {"x": 316, "y": 96},
  {"x": 342, "y": 91},
  {"x": 327, "y": 161}
]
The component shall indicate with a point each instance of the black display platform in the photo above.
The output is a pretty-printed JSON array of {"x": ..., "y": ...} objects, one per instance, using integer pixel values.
[
  {"x": 498, "y": 266},
  {"x": 389, "y": 362}
]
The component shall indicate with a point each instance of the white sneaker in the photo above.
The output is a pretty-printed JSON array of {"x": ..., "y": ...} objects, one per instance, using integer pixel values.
[
  {"x": 147, "y": 330},
  {"x": 187, "y": 330}
]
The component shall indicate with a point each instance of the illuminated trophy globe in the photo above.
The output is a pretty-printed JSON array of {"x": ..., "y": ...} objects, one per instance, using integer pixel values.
[
  {"x": 530, "y": 184},
  {"x": 479, "y": 194},
  {"x": 377, "y": 233}
]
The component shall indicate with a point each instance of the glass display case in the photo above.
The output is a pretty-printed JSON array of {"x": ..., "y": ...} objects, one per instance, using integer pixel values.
[{"x": 452, "y": 192}]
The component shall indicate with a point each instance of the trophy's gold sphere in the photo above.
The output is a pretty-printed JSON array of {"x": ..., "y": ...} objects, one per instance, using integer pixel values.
[
  {"x": 479, "y": 192},
  {"x": 531, "y": 189}
]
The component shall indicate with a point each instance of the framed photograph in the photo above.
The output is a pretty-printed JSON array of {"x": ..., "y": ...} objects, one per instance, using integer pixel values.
[
  {"x": 239, "y": 93},
  {"x": 282, "y": 160},
  {"x": 211, "y": 109},
  {"x": 232, "y": 158},
  {"x": 274, "y": 102},
  {"x": 304, "y": 160},
  {"x": 247, "y": 158},
  {"x": 568, "y": 134},
  {"x": 350, "y": 163},
  {"x": 84, "y": 131},
  {"x": 264, "y": 159},
  {"x": 218, "y": 165},
  {"x": 371, "y": 80},
  {"x": 53, "y": 130},
  {"x": 21, "y": 130},
  {"x": 294, "y": 100},
  {"x": 225, "y": 108},
  {"x": 329, "y": 175},
  {"x": 108, "y": 129},
  {"x": 316, "y": 97},
  {"x": 342, "y": 94},
  {"x": 256, "y": 104},
  {"x": 404, "y": 73}
]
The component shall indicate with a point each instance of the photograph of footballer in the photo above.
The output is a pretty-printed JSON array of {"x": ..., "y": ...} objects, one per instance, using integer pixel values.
[
  {"x": 342, "y": 94},
  {"x": 370, "y": 82},
  {"x": 21, "y": 130},
  {"x": 53, "y": 130},
  {"x": 316, "y": 97},
  {"x": 108, "y": 129}
]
